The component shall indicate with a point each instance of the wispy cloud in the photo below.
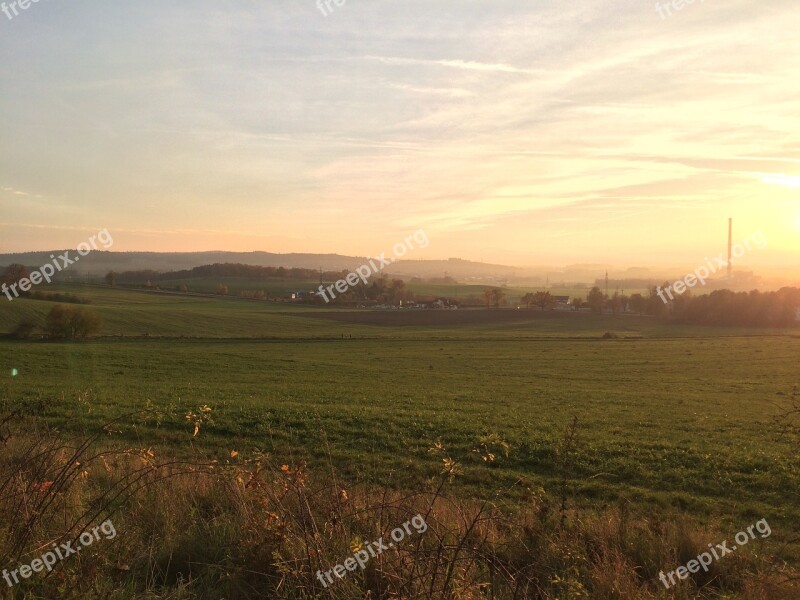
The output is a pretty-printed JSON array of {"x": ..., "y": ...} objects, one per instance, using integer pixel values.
[
  {"x": 463, "y": 65},
  {"x": 453, "y": 92},
  {"x": 16, "y": 192},
  {"x": 509, "y": 119}
]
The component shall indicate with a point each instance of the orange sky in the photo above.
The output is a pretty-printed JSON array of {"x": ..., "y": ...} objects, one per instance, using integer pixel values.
[{"x": 537, "y": 134}]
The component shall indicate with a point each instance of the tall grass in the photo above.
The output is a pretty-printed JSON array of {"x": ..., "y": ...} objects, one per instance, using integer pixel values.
[{"x": 251, "y": 527}]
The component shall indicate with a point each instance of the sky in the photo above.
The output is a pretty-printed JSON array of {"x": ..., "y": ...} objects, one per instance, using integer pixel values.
[{"x": 536, "y": 132}]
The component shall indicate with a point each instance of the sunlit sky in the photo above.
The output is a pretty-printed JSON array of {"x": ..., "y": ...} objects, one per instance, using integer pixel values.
[{"x": 514, "y": 132}]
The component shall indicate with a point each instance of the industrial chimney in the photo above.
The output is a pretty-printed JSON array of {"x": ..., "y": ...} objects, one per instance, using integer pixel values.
[{"x": 730, "y": 245}]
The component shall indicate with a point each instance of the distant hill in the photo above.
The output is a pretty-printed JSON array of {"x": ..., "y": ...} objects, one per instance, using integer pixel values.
[{"x": 100, "y": 262}]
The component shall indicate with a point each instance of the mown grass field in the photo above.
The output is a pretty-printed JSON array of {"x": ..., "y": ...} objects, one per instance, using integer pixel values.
[{"x": 670, "y": 417}]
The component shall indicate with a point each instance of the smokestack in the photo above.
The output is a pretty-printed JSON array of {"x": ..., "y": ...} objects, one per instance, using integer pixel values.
[{"x": 730, "y": 245}]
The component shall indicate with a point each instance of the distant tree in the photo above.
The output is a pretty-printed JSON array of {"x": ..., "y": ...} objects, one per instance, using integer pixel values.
[
  {"x": 253, "y": 294},
  {"x": 618, "y": 303},
  {"x": 595, "y": 299},
  {"x": 543, "y": 300},
  {"x": 496, "y": 296},
  {"x": 638, "y": 303},
  {"x": 488, "y": 295},
  {"x": 398, "y": 292},
  {"x": 527, "y": 300},
  {"x": 13, "y": 274},
  {"x": 577, "y": 303},
  {"x": 655, "y": 305},
  {"x": 111, "y": 278},
  {"x": 183, "y": 288},
  {"x": 222, "y": 289},
  {"x": 23, "y": 330},
  {"x": 70, "y": 322},
  {"x": 87, "y": 323}
]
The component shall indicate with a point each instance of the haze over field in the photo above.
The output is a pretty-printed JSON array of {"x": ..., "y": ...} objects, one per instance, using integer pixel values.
[{"x": 521, "y": 134}]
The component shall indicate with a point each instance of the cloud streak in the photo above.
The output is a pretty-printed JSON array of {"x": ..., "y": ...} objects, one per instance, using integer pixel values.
[{"x": 461, "y": 117}]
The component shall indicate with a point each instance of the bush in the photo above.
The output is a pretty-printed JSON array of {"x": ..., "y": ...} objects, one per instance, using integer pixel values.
[
  {"x": 69, "y": 322},
  {"x": 58, "y": 297},
  {"x": 23, "y": 330}
]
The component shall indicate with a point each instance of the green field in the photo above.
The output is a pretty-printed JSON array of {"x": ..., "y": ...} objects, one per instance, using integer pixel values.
[{"x": 670, "y": 416}]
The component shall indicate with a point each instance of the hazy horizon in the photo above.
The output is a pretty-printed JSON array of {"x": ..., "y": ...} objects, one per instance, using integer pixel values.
[{"x": 770, "y": 277}]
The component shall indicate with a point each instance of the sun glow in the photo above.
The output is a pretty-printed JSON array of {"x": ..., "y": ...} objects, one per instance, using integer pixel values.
[{"x": 792, "y": 181}]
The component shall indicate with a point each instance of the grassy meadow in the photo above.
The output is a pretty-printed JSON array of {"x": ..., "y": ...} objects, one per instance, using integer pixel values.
[{"x": 670, "y": 419}]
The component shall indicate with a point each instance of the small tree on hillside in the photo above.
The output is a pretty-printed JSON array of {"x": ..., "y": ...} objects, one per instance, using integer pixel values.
[{"x": 222, "y": 289}]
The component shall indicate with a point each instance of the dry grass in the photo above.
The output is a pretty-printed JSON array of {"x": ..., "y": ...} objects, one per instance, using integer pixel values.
[{"x": 254, "y": 529}]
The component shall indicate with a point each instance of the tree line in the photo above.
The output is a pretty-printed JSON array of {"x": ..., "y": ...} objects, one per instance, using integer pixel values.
[
  {"x": 222, "y": 270},
  {"x": 725, "y": 307},
  {"x": 720, "y": 307}
]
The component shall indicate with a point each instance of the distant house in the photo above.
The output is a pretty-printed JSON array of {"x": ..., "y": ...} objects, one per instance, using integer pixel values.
[
  {"x": 561, "y": 302},
  {"x": 444, "y": 304},
  {"x": 298, "y": 295}
]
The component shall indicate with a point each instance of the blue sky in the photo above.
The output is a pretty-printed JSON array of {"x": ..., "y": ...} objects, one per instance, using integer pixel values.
[{"x": 524, "y": 133}]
